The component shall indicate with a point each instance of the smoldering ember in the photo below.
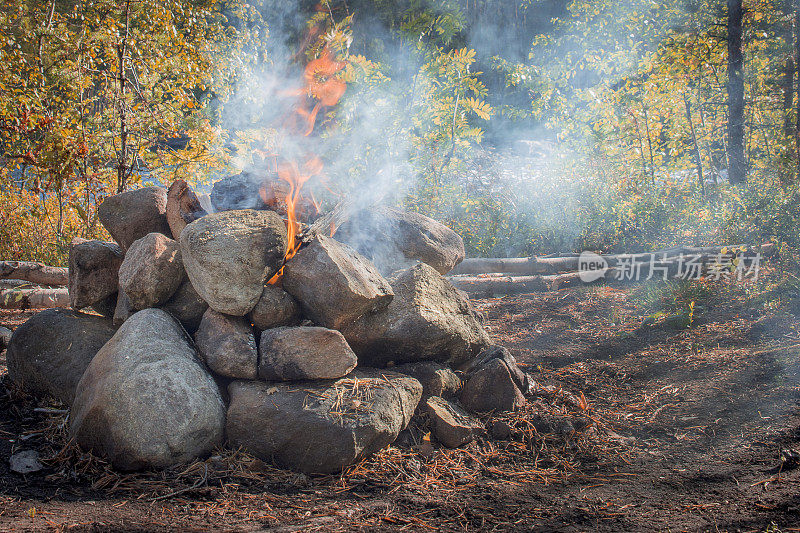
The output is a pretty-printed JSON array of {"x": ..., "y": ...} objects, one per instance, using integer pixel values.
[{"x": 399, "y": 265}]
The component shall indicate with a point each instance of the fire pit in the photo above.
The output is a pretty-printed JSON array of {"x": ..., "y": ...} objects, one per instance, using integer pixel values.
[{"x": 248, "y": 328}]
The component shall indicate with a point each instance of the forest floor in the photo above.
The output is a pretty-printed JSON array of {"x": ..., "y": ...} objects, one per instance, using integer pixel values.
[{"x": 687, "y": 428}]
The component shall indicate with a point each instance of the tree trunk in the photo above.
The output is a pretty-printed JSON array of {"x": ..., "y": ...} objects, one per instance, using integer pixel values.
[
  {"x": 737, "y": 167},
  {"x": 34, "y": 272},
  {"x": 697, "y": 157},
  {"x": 797, "y": 85},
  {"x": 641, "y": 145},
  {"x": 788, "y": 92},
  {"x": 122, "y": 167},
  {"x": 649, "y": 145}
]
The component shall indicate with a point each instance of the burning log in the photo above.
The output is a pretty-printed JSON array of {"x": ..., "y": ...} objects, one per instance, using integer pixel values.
[
  {"x": 37, "y": 298},
  {"x": 34, "y": 272},
  {"x": 326, "y": 224}
]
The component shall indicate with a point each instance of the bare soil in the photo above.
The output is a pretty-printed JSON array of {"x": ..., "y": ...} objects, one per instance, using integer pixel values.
[{"x": 683, "y": 432}]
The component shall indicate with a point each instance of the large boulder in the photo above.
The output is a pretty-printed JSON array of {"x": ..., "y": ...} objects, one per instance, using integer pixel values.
[
  {"x": 131, "y": 215},
  {"x": 335, "y": 284},
  {"x": 152, "y": 271},
  {"x": 428, "y": 319},
  {"x": 227, "y": 345},
  {"x": 303, "y": 353},
  {"x": 183, "y": 207},
  {"x": 187, "y": 306},
  {"x": 392, "y": 238},
  {"x": 93, "y": 271},
  {"x": 238, "y": 191},
  {"x": 146, "y": 400},
  {"x": 48, "y": 354},
  {"x": 229, "y": 255},
  {"x": 275, "y": 308},
  {"x": 321, "y": 426}
]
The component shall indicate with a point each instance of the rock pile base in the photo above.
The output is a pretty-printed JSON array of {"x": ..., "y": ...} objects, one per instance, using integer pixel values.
[{"x": 314, "y": 373}]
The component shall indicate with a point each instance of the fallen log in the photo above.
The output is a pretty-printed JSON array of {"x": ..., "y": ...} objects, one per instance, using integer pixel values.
[
  {"x": 516, "y": 265},
  {"x": 14, "y": 283},
  {"x": 40, "y": 298},
  {"x": 569, "y": 262},
  {"x": 34, "y": 272},
  {"x": 500, "y": 283}
]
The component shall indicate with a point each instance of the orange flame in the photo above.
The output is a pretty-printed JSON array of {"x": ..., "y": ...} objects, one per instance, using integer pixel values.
[
  {"x": 323, "y": 86},
  {"x": 290, "y": 173}
]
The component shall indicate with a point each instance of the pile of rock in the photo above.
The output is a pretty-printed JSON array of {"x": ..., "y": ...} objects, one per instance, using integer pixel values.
[{"x": 193, "y": 350}]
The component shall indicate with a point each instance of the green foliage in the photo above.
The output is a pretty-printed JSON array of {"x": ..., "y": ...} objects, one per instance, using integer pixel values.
[
  {"x": 80, "y": 81},
  {"x": 629, "y": 96}
]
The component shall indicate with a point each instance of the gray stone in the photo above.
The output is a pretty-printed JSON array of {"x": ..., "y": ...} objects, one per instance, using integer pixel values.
[
  {"x": 5, "y": 337},
  {"x": 187, "y": 306},
  {"x": 521, "y": 380},
  {"x": 238, "y": 191},
  {"x": 321, "y": 426},
  {"x": 301, "y": 353},
  {"x": 334, "y": 284},
  {"x": 183, "y": 207},
  {"x": 146, "y": 400},
  {"x": 123, "y": 309},
  {"x": 491, "y": 389},
  {"x": 93, "y": 268},
  {"x": 391, "y": 237},
  {"x": 450, "y": 424},
  {"x": 428, "y": 319},
  {"x": 227, "y": 345},
  {"x": 275, "y": 308},
  {"x": 152, "y": 271},
  {"x": 436, "y": 379},
  {"x": 131, "y": 215},
  {"x": 500, "y": 429},
  {"x": 25, "y": 462},
  {"x": 48, "y": 354},
  {"x": 229, "y": 255}
]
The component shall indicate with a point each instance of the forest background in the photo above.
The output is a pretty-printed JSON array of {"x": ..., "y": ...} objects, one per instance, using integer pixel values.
[{"x": 529, "y": 127}]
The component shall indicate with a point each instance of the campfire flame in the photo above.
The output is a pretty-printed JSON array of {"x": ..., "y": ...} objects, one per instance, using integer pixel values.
[
  {"x": 322, "y": 85},
  {"x": 290, "y": 173},
  {"x": 323, "y": 88}
]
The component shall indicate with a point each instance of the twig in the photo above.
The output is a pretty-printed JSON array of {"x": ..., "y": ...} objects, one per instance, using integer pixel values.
[
  {"x": 777, "y": 349},
  {"x": 200, "y": 482}
]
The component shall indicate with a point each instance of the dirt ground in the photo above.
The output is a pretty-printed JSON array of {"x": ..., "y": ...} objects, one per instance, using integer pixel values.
[{"x": 683, "y": 432}]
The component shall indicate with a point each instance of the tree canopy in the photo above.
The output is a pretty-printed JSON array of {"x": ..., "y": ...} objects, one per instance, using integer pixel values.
[{"x": 528, "y": 127}]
